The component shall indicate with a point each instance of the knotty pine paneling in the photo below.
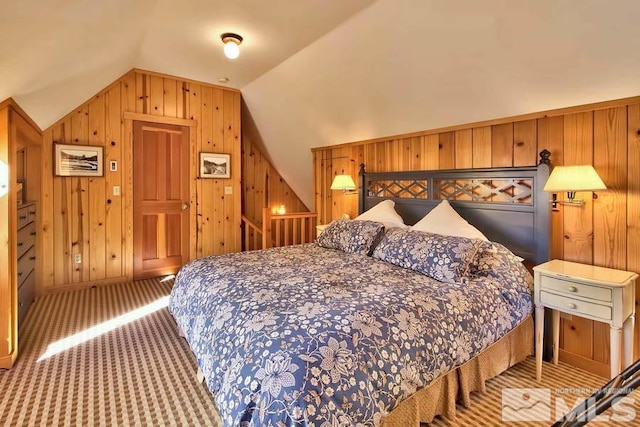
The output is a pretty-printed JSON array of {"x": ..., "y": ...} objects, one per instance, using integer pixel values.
[
  {"x": 606, "y": 231},
  {"x": 81, "y": 215},
  {"x": 263, "y": 186}
]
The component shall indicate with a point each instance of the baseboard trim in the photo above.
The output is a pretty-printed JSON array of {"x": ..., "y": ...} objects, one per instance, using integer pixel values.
[
  {"x": 85, "y": 285},
  {"x": 586, "y": 364}
]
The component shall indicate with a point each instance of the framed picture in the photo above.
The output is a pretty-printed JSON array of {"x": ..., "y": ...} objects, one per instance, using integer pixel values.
[
  {"x": 78, "y": 160},
  {"x": 215, "y": 165}
]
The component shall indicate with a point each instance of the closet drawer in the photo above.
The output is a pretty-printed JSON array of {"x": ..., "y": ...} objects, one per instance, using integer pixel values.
[
  {"x": 26, "y": 295},
  {"x": 26, "y": 264},
  {"x": 24, "y": 215},
  {"x": 26, "y": 238}
]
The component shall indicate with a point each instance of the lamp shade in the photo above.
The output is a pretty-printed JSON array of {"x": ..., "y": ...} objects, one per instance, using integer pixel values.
[
  {"x": 343, "y": 182},
  {"x": 231, "y": 50},
  {"x": 574, "y": 178}
]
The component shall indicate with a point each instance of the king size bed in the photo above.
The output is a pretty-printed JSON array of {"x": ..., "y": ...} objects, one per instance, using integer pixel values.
[{"x": 374, "y": 324}]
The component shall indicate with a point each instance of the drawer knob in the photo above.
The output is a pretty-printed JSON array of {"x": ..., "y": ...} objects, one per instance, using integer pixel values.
[
  {"x": 20, "y": 304},
  {"x": 22, "y": 217},
  {"x": 572, "y": 306},
  {"x": 32, "y": 258},
  {"x": 19, "y": 273},
  {"x": 33, "y": 233},
  {"x": 20, "y": 244},
  {"x": 573, "y": 289}
]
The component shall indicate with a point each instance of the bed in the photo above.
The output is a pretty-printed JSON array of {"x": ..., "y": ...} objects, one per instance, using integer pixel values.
[{"x": 361, "y": 328}]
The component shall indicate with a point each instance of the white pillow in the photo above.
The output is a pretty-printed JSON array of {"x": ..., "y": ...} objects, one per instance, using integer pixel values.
[
  {"x": 385, "y": 213},
  {"x": 444, "y": 220}
]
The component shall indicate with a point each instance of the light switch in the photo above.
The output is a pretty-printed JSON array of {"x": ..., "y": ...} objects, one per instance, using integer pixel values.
[
  {"x": 116, "y": 190},
  {"x": 228, "y": 190}
]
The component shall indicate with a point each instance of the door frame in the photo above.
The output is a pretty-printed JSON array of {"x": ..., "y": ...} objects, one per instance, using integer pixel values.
[{"x": 127, "y": 192}]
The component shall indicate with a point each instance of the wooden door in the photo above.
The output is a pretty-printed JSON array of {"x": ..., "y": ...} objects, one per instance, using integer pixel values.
[{"x": 161, "y": 208}]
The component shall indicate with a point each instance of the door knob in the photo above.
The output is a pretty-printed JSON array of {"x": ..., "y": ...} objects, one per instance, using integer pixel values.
[{"x": 185, "y": 206}]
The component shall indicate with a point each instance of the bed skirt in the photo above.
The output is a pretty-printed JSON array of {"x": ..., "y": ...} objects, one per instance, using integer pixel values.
[{"x": 440, "y": 397}]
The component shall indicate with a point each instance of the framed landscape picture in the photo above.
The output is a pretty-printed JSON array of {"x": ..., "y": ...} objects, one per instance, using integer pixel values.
[
  {"x": 215, "y": 165},
  {"x": 78, "y": 160}
]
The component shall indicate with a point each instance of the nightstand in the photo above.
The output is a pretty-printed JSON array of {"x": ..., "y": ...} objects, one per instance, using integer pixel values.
[
  {"x": 320, "y": 229},
  {"x": 597, "y": 293}
]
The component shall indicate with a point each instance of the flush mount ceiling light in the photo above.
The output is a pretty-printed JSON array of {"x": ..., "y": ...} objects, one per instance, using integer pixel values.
[{"x": 231, "y": 44}]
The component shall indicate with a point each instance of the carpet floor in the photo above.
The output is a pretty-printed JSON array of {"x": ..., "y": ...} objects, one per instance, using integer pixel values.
[{"x": 112, "y": 356}]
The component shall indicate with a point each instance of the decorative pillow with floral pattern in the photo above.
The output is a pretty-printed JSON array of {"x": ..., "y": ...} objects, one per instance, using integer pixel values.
[
  {"x": 351, "y": 236},
  {"x": 444, "y": 258}
]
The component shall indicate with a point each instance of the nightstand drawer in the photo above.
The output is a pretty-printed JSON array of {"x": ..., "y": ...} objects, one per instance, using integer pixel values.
[
  {"x": 571, "y": 305},
  {"x": 573, "y": 289}
]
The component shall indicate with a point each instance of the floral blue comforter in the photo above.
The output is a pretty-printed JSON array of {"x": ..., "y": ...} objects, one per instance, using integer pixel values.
[{"x": 309, "y": 336}]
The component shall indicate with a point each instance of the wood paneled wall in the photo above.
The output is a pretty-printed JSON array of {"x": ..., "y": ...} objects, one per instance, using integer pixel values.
[
  {"x": 605, "y": 232},
  {"x": 263, "y": 186},
  {"x": 81, "y": 215}
]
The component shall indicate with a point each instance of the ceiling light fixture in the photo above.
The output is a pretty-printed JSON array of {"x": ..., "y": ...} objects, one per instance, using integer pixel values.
[{"x": 231, "y": 44}]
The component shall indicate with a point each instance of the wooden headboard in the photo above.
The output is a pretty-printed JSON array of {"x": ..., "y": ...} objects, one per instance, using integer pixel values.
[{"x": 506, "y": 204}]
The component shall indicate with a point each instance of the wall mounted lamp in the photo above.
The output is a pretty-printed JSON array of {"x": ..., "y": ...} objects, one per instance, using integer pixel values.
[
  {"x": 232, "y": 43},
  {"x": 572, "y": 179},
  {"x": 344, "y": 183},
  {"x": 4, "y": 178}
]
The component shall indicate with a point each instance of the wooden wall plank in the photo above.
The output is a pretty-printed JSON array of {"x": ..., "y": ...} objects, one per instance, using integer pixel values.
[
  {"x": 156, "y": 95},
  {"x": 230, "y": 241},
  {"x": 195, "y": 110},
  {"x": 207, "y": 202},
  {"x": 447, "y": 150},
  {"x": 431, "y": 150},
  {"x": 218, "y": 144},
  {"x": 114, "y": 244},
  {"x": 80, "y": 200},
  {"x": 525, "y": 139},
  {"x": 416, "y": 153},
  {"x": 464, "y": 149},
  {"x": 610, "y": 210},
  {"x": 47, "y": 212},
  {"x": 482, "y": 147},
  {"x": 551, "y": 137},
  {"x": 170, "y": 97},
  {"x": 97, "y": 194},
  {"x": 502, "y": 145}
]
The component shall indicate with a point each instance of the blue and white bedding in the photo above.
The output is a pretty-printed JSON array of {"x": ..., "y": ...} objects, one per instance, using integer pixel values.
[{"x": 310, "y": 336}]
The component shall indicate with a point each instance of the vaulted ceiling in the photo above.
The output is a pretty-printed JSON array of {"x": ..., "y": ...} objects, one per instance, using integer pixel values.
[{"x": 322, "y": 72}]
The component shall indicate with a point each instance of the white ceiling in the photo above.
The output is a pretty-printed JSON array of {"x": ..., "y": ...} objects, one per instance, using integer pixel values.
[{"x": 322, "y": 72}]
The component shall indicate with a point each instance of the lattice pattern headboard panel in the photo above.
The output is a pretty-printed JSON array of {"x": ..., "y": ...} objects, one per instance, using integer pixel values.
[{"x": 506, "y": 204}]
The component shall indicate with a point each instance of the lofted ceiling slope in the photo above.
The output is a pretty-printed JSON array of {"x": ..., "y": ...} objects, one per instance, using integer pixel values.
[{"x": 322, "y": 72}]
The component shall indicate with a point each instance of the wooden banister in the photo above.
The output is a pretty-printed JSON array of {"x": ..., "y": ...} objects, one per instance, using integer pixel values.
[
  {"x": 279, "y": 230},
  {"x": 252, "y": 235}
]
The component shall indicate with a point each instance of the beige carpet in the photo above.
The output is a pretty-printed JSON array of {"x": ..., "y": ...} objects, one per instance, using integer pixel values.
[{"x": 137, "y": 371}]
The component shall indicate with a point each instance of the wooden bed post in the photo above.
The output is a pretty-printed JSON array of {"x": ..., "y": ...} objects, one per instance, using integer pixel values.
[
  {"x": 266, "y": 228},
  {"x": 362, "y": 190}
]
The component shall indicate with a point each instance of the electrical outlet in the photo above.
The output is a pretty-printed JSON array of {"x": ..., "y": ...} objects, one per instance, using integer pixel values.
[
  {"x": 116, "y": 190},
  {"x": 228, "y": 190},
  {"x": 77, "y": 258}
]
